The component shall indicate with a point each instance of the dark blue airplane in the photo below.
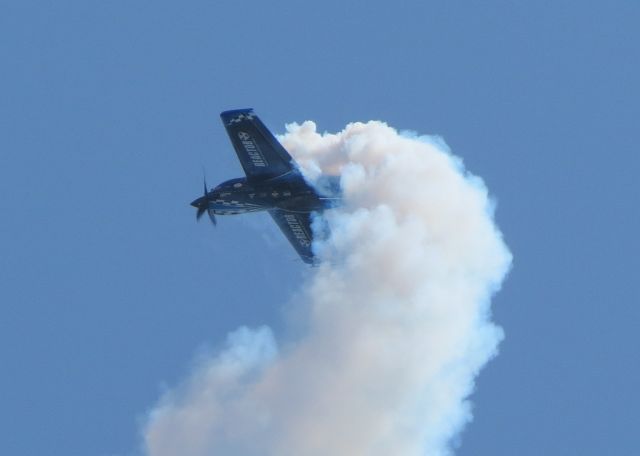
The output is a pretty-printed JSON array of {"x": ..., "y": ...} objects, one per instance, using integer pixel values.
[{"x": 273, "y": 183}]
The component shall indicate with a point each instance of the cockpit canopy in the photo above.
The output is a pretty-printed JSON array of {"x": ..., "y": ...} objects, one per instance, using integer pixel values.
[{"x": 232, "y": 184}]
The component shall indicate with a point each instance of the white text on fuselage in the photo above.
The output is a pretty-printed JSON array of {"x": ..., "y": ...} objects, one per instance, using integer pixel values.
[
  {"x": 252, "y": 150},
  {"x": 297, "y": 229}
]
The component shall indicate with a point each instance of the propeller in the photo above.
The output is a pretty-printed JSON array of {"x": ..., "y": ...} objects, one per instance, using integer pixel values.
[{"x": 202, "y": 204}]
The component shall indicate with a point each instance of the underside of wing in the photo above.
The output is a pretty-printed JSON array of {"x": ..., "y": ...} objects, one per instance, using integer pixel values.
[
  {"x": 297, "y": 228},
  {"x": 259, "y": 152}
]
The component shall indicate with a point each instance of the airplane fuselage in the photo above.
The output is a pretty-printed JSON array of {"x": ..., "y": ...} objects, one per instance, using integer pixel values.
[{"x": 238, "y": 196}]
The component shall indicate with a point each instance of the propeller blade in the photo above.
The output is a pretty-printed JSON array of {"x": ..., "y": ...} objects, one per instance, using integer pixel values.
[
  {"x": 203, "y": 204},
  {"x": 212, "y": 216},
  {"x": 204, "y": 178}
]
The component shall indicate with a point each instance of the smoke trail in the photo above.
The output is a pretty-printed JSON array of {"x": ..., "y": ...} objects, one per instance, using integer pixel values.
[{"x": 395, "y": 321}]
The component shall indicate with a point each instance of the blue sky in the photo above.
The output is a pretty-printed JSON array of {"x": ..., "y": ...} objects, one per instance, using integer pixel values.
[{"x": 109, "y": 111}]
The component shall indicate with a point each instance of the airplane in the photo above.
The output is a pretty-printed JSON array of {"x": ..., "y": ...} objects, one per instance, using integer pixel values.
[{"x": 273, "y": 183}]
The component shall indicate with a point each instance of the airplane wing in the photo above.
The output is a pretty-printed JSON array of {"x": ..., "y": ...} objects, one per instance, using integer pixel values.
[
  {"x": 297, "y": 227},
  {"x": 261, "y": 155}
]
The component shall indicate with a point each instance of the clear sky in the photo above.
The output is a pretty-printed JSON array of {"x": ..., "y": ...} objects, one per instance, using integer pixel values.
[{"x": 109, "y": 111}]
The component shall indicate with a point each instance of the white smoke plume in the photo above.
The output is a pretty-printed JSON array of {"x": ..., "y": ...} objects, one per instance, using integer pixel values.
[{"x": 395, "y": 321}]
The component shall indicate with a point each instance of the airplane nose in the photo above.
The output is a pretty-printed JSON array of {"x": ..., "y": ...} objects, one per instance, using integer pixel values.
[{"x": 197, "y": 202}]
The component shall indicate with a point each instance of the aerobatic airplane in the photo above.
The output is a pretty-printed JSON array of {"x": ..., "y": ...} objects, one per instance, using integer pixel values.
[{"x": 274, "y": 183}]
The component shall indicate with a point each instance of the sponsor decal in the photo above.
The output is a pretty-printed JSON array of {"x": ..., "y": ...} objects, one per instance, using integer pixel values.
[
  {"x": 252, "y": 150},
  {"x": 297, "y": 230}
]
